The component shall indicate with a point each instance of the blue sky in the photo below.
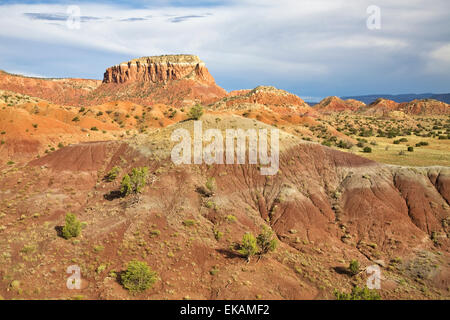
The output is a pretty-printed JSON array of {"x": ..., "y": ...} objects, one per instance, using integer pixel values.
[{"x": 314, "y": 48}]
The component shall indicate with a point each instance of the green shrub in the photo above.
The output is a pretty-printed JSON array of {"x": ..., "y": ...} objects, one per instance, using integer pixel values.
[
  {"x": 94, "y": 129},
  {"x": 135, "y": 182},
  {"x": 214, "y": 270},
  {"x": 155, "y": 233},
  {"x": 358, "y": 294},
  {"x": 354, "y": 267},
  {"x": 196, "y": 112},
  {"x": 344, "y": 145},
  {"x": 210, "y": 204},
  {"x": 410, "y": 149},
  {"x": 218, "y": 235},
  {"x": 172, "y": 114},
  {"x": 99, "y": 248},
  {"x": 211, "y": 184},
  {"x": 422, "y": 143},
  {"x": 138, "y": 276},
  {"x": 76, "y": 119},
  {"x": 125, "y": 185},
  {"x": 230, "y": 218},
  {"x": 367, "y": 150},
  {"x": 265, "y": 240},
  {"x": 112, "y": 174},
  {"x": 189, "y": 223},
  {"x": 249, "y": 246},
  {"x": 72, "y": 228}
]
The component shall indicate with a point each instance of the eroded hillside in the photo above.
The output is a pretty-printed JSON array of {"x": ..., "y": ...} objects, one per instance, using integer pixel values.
[{"x": 326, "y": 208}]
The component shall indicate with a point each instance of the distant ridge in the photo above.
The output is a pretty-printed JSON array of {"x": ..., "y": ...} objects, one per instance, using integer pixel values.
[{"x": 368, "y": 99}]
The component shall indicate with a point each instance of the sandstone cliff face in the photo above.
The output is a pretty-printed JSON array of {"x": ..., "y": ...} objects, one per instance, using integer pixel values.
[
  {"x": 160, "y": 69},
  {"x": 176, "y": 80}
]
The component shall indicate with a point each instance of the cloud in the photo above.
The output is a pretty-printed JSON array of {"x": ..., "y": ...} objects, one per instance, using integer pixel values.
[
  {"x": 46, "y": 16},
  {"x": 438, "y": 61},
  {"x": 57, "y": 17},
  {"x": 442, "y": 54},
  {"x": 184, "y": 18},
  {"x": 135, "y": 19},
  {"x": 312, "y": 47},
  {"x": 26, "y": 73}
]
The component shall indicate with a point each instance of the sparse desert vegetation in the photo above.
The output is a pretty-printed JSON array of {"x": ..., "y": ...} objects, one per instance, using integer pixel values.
[{"x": 87, "y": 180}]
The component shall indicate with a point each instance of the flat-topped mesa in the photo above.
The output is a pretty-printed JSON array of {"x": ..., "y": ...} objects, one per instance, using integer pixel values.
[{"x": 160, "y": 69}]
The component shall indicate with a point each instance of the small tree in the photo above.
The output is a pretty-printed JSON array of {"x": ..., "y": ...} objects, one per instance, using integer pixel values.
[
  {"x": 196, "y": 112},
  {"x": 72, "y": 227},
  {"x": 125, "y": 185},
  {"x": 139, "y": 179},
  {"x": 135, "y": 182},
  {"x": 138, "y": 276},
  {"x": 265, "y": 240},
  {"x": 249, "y": 246},
  {"x": 354, "y": 267}
]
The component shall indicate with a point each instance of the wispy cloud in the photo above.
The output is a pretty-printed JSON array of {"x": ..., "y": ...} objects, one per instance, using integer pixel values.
[
  {"x": 26, "y": 73},
  {"x": 135, "y": 19},
  {"x": 189, "y": 17},
  {"x": 46, "y": 16},
  {"x": 57, "y": 17}
]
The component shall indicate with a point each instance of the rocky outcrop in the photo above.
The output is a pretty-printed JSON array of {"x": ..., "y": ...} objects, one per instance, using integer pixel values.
[
  {"x": 380, "y": 107},
  {"x": 160, "y": 69},
  {"x": 264, "y": 96},
  {"x": 335, "y": 104},
  {"x": 425, "y": 107}
]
